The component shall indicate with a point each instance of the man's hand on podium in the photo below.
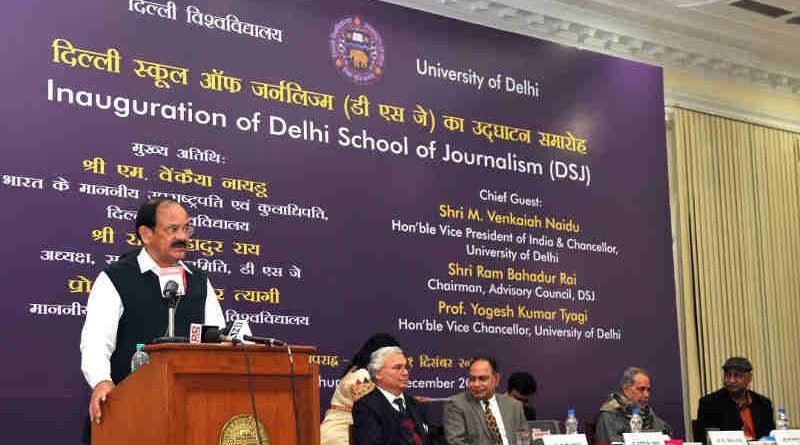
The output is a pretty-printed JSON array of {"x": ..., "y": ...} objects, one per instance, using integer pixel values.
[{"x": 99, "y": 394}]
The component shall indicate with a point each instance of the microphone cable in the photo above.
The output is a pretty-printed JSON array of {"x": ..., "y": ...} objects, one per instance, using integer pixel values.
[
  {"x": 252, "y": 392},
  {"x": 294, "y": 394},
  {"x": 253, "y": 396}
]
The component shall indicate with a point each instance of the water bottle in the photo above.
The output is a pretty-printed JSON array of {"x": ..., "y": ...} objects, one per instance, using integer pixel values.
[
  {"x": 571, "y": 423},
  {"x": 139, "y": 358},
  {"x": 783, "y": 422},
  {"x": 636, "y": 421}
]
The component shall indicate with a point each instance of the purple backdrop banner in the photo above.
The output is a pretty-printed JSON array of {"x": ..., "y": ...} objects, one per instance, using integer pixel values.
[{"x": 351, "y": 167}]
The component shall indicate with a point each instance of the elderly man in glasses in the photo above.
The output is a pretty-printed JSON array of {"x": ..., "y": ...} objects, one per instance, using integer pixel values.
[{"x": 126, "y": 307}]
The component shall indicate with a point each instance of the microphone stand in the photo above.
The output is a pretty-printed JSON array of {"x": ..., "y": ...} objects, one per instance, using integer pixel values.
[{"x": 172, "y": 304}]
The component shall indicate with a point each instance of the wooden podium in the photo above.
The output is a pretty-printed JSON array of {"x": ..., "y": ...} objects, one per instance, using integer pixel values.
[{"x": 188, "y": 392}]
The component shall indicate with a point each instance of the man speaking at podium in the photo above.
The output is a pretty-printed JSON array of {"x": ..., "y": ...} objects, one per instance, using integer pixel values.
[{"x": 126, "y": 304}]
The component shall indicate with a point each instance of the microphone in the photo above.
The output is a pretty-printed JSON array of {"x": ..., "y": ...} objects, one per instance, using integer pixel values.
[
  {"x": 171, "y": 295},
  {"x": 212, "y": 334},
  {"x": 264, "y": 340},
  {"x": 170, "y": 289}
]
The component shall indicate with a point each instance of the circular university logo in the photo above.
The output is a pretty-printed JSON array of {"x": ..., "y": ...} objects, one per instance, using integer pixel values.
[
  {"x": 241, "y": 430},
  {"x": 357, "y": 50}
]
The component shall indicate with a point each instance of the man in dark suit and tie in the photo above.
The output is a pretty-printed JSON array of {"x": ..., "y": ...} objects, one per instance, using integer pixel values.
[
  {"x": 386, "y": 416},
  {"x": 480, "y": 415}
]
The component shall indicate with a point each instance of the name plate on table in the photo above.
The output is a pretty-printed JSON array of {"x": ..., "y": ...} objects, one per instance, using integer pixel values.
[
  {"x": 644, "y": 438},
  {"x": 564, "y": 439},
  {"x": 786, "y": 437},
  {"x": 727, "y": 438}
]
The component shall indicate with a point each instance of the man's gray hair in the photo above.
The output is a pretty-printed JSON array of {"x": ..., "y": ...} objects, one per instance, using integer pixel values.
[
  {"x": 629, "y": 374},
  {"x": 377, "y": 357}
]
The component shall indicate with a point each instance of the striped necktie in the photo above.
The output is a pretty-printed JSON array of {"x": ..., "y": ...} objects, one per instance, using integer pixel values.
[
  {"x": 401, "y": 406},
  {"x": 408, "y": 422}
]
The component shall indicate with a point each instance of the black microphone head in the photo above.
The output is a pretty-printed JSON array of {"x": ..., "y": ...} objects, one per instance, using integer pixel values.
[
  {"x": 265, "y": 340},
  {"x": 211, "y": 334},
  {"x": 170, "y": 289}
]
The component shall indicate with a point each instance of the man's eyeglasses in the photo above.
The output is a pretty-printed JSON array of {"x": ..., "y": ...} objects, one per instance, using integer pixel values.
[{"x": 187, "y": 230}]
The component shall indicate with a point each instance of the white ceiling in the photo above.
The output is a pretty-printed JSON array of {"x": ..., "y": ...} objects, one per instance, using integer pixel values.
[{"x": 713, "y": 38}]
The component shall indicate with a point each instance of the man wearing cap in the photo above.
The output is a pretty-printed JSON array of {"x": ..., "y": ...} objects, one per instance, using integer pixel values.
[{"x": 735, "y": 407}]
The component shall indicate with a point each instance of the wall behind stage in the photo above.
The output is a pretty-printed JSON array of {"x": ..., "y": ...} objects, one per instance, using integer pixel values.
[{"x": 351, "y": 167}]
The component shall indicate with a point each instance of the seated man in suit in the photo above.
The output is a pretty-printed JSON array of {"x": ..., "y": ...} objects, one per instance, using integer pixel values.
[
  {"x": 386, "y": 415},
  {"x": 480, "y": 415},
  {"x": 734, "y": 406},
  {"x": 615, "y": 413}
]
